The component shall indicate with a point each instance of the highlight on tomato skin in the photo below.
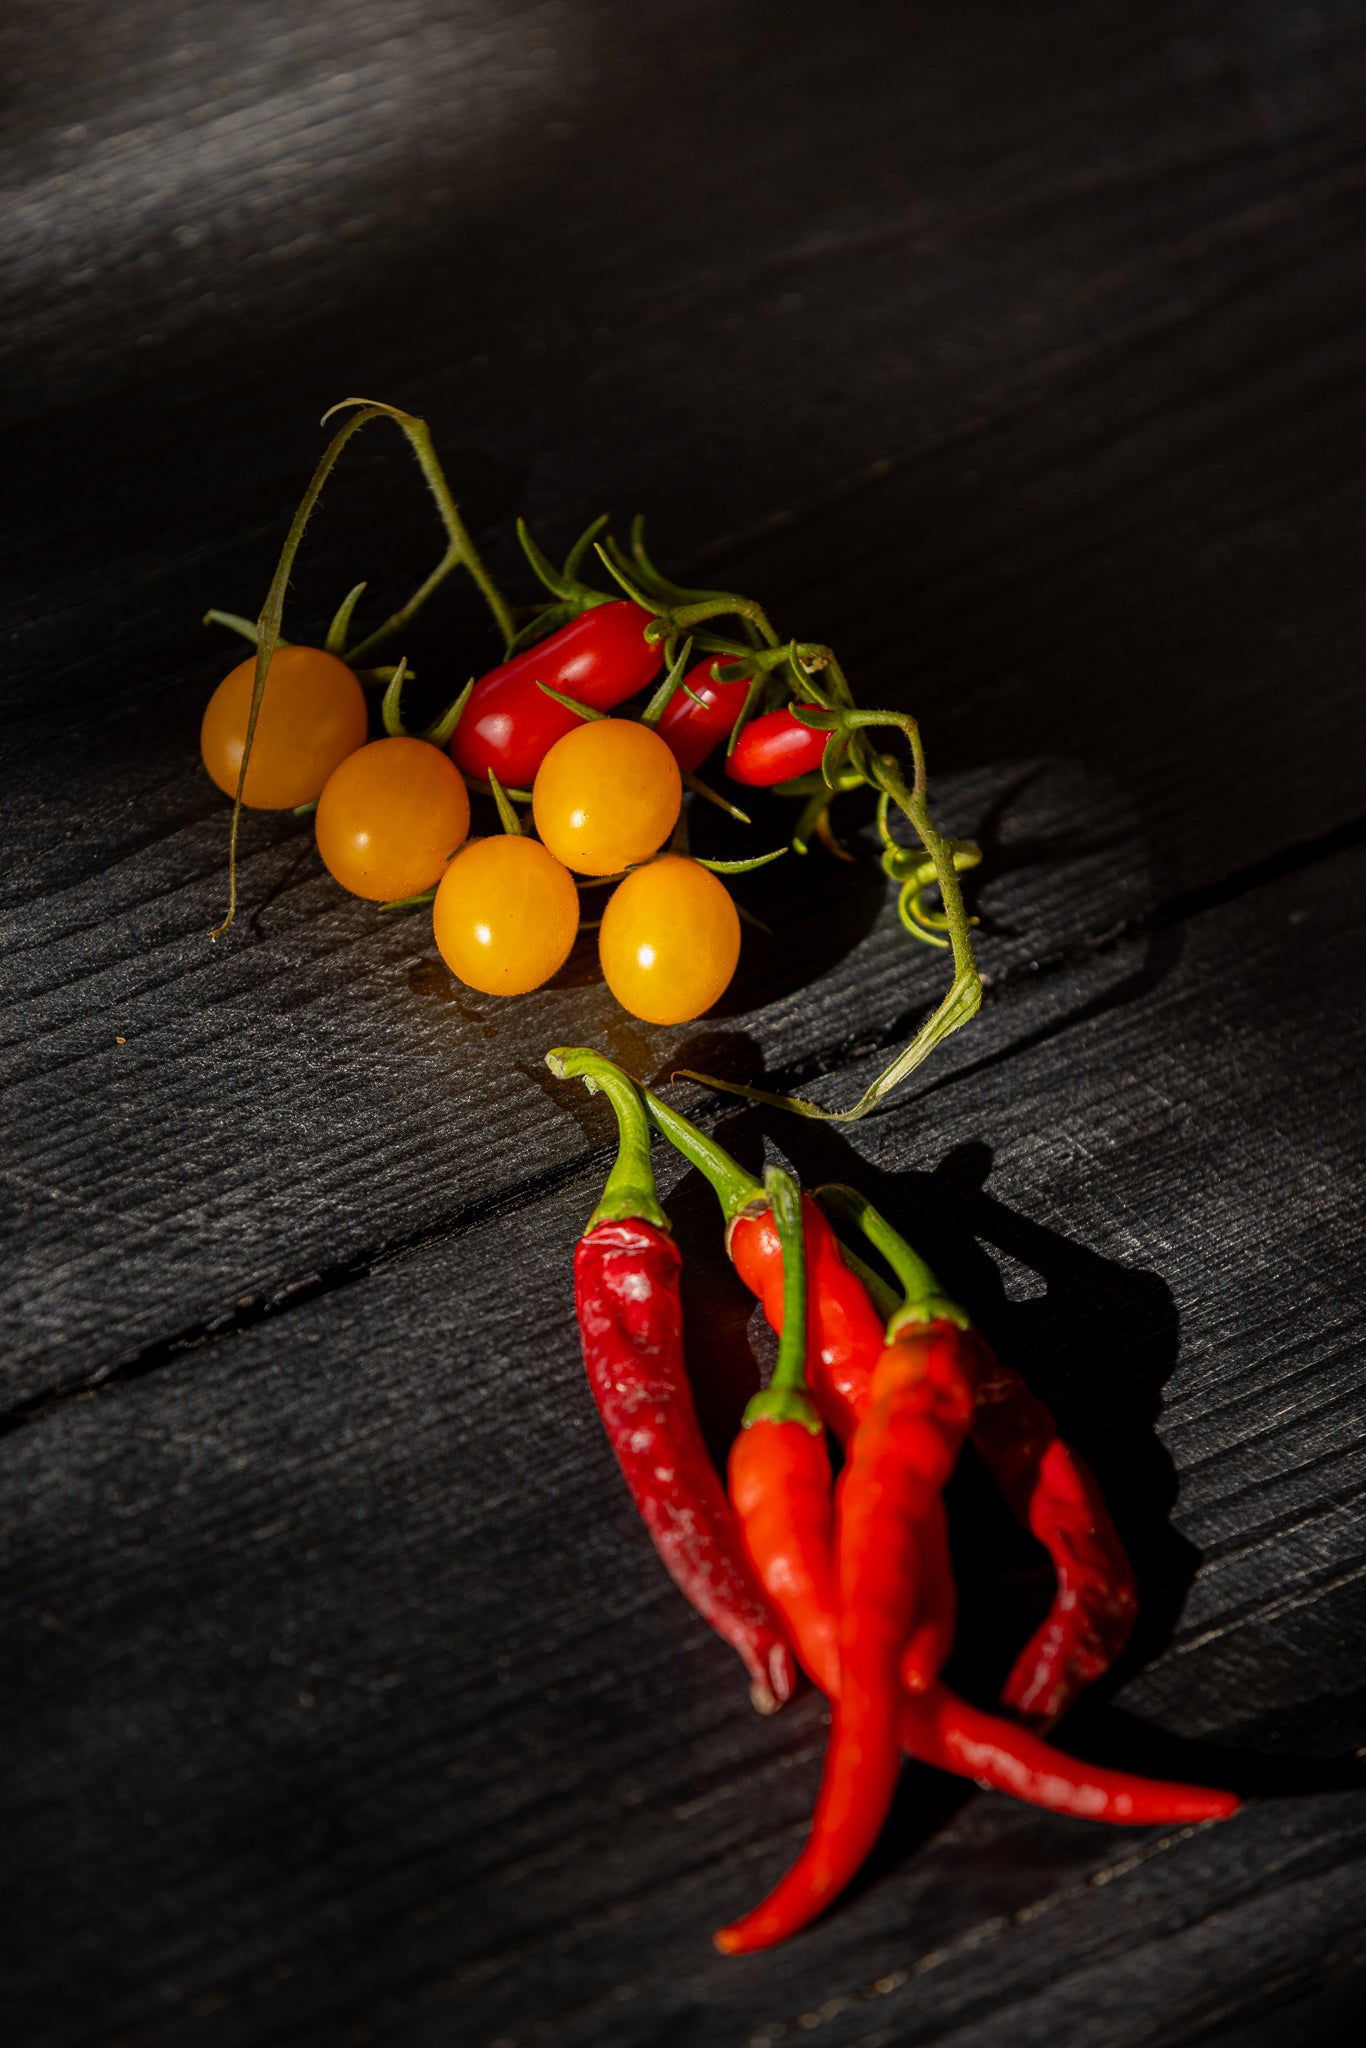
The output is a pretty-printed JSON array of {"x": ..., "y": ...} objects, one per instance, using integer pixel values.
[
  {"x": 313, "y": 714},
  {"x": 390, "y": 817},
  {"x": 506, "y": 915},
  {"x": 509, "y": 725},
  {"x": 670, "y": 941},
  {"x": 606, "y": 795}
]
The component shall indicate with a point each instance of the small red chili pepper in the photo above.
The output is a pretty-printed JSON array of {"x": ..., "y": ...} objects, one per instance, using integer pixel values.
[
  {"x": 692, "y": 725},
  {"x": 900, "y": 1458},
  {"x": 626, "y": 1288},
  {"x": 776, "y": 747},
  {"x": 509, "y": 724}
]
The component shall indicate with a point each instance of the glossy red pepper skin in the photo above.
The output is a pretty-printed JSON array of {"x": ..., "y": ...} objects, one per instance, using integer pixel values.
[
  {"x": 626, "y": 1289},
  {"x": 931, "y": 1640},
  {"x": 509, "y": 725},
  {"x": 780, "y": 1488},
  {"x": 844, "y": 1334},
  {"x": 692, "y": 729},
  {"x": 776, "y": 747},
  {"x": 900, "y": 1459},
  {"x": 1047, "y": 1486},
  {"x": 1053, "y": 1492},
  {"x": 789, "y": 1527},
  {"x": 944, "y": 1730}
]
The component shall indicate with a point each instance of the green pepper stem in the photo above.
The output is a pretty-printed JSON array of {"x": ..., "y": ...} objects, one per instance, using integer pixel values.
[
  {"x": 786, "y": 1398},
  {"x": 924, "y": 1300},
  {"x": 734, "y": 1188},
  {"x": 630, "y": 1194},
  {"x": 785, "y": 1200}
]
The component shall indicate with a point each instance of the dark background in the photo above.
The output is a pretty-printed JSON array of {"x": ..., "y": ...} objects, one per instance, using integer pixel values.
[{"x": 1014, "y": 350}]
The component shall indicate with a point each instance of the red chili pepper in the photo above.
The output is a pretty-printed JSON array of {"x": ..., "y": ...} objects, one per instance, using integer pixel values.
[
  {"x": 775, "y": 748},
  {"x": 691, "y": 726},
  {"x": 626, "y": 1288},
  {"x": 844, "y": 1329},
  {"x": 780, "y": 1484},
  {"x": 942, "y": 1729},
  {"x": 1045, "y": 1483},
  {"x": 1048, "y": 1487},
  {"x": 900, "y": 1458},
  {"x": 780, "y": 1470},
  {"x": 1051, "y": 1490},
  {"x": 931, "y": 1640},
  {"x": 509, "y": 724}
]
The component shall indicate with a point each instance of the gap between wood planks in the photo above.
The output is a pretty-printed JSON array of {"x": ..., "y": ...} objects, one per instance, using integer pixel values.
[{"x": 253, "y": 1309}]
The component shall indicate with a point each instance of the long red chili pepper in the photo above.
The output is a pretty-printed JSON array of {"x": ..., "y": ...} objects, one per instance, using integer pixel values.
[
  {"x": 626, "y": 1288},
  {"x": 1046, "y": 1484},
  {"x": 1049, "y": 1488},
  {"x": 1054, "y": 1493},
  {"x": 900, "y": 1458},
  {"x": 780, "y": 1484},
  {"x": 509, "y": 724},
  {"x": 888, "y": 1497}
]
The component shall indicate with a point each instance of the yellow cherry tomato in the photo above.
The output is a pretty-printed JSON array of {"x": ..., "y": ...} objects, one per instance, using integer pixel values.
[
  {"x": 506, "y": 915},
  {"x": 607, "y": 794},
  {"x": 312, "y": 716},
  {"x": 669, "y": 941},
  {"x": 390, "y": 817}
]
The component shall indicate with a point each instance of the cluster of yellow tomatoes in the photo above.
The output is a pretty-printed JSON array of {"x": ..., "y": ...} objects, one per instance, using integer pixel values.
[{"x": 393, "y": 823}]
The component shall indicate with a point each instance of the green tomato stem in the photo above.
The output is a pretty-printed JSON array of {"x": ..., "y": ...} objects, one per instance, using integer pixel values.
[{"x": 459, "y": 547}]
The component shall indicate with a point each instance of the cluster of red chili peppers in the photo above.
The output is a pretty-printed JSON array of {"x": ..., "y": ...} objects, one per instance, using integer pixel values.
[
  {"x": 392, "y": 820},
  {"x": 851, "y": 1580}
]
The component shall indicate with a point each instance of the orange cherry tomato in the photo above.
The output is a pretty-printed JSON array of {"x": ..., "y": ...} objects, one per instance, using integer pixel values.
[
  {"x": 390, "y": 817},
  {"x": 670, "y": 941},
  {"x": 607, "y": 794},
  {"x": 312, "y": 716},
  {"x": 506, "y": 915}
]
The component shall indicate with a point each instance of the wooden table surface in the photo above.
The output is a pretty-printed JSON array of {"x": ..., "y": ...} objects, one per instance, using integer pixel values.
[{"x": 1017, "y": 351}]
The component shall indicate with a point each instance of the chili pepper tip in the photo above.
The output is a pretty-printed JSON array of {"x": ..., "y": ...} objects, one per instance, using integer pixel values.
[{"x": 766, "y": 1696}]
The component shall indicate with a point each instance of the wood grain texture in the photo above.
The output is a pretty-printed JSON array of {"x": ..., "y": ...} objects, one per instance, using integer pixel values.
[
  {"x": 386, "y": 1683},
  {"x": 1016, "y": 351}
]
